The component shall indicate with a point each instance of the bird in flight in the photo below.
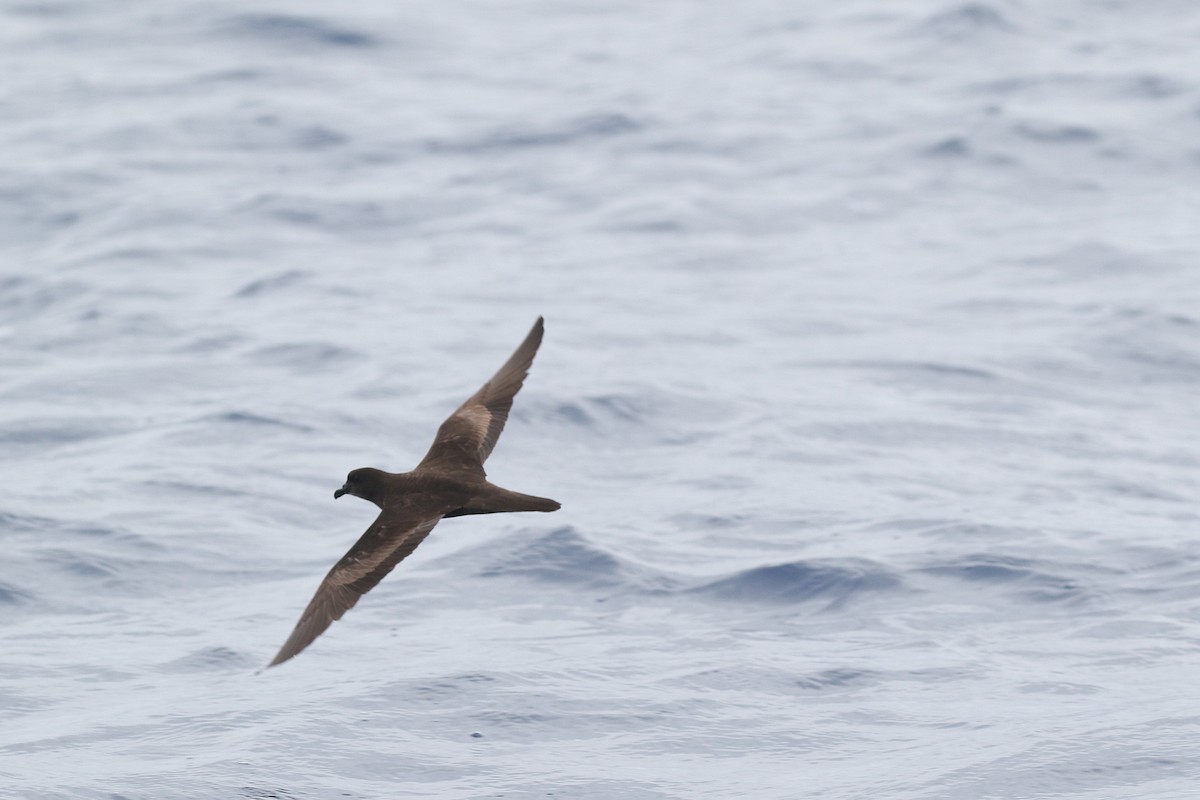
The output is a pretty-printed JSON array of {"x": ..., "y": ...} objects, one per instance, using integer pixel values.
[{"x": 449, "y": 482}]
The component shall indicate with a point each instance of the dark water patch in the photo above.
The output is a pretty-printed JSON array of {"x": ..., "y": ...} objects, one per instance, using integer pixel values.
[
  {"x": 1056, "y": 134},
  {"x": 842, "y": 70},
  {"x": 12, "y": 596},
  {"x": 303, "y": 356},
  {"x": 249, "y": 419},
  {"x": 56, "y": 433},
  {"x": 59, "y": 529},
  {"x": 847, "y": 679},
  {"x": 211, "y": 659},
  {"x": 913, "y": 433},
  {"x": 1058, "y": 688},
  {"x": 18, "y": 703},
  {"x": 1139, "y": 318},
  {"x": 605, "y": 411},
  {"x": 1093, "y": 260},
  {"x": 1147, "y": 86},
  {"x": 23, "y": 298},
  {"x": 841, "y": 678},
  {"x": 36, "y": 210},
  {"x": 316, "y": 137},
  {"x": 952, "y": 147},
  {"x": 718, "y": 483},
  {"x": 1141, "y": 491},
  {"x": 565, "y": 556},
  {"x": 573, "y": 132},
  {"x": 255, "y": 793},
  {"x": 574, "y": 414},
  {"x": 195, "y": 489},
  {"x": 1096, "y": 763},
  {"x": 968, "y": 21},
  {"x": 932, "y": 374},
  {"x": 1011, "y": 85},
  {"x": 712, "y": 522},
  {"x": 831, "y": 583},
  {"x": 653, "y": 415},
  {"x": 505, "y": 719},
  {"x": 1022, "y": 577},
  {"x": 1152, "y": 87},
  {"x": 633, "y": 223},
  {"x": 1176, "y": 578},
  {"x": 779, "y": 680},
  {"x": 243, "y": 75},
  {"x": 986, "y": 568},
  {"x": 211, "y": 344},
  {"x": 26, "y": 523},
  {"x": 45, "y": 10},
  {"x": 271, "y": 284},
  {"x": 261, "y": 133},
  {"x": 688, "y": 147},
  {"x": 954, "y": 370},
  {"x": 1147, "y": 345},
  {"x": 130, "y": 255},
  {"x": 450, "y": 687},
  {"x": 352, "y": 217},
  {"x": 626, "y": 409},
  {"x": 294, "y": 30},
  {"x": 79, "y": 564},
  {"x": 959, "y": 531},
  {"x": 910, "y": 524}
]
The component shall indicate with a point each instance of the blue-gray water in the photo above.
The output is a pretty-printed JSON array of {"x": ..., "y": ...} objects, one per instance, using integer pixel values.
[{"x": 870, "y": 391}]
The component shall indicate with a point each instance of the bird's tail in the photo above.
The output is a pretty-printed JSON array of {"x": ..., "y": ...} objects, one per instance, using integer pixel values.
[
  {"x": 499, "y": 501},
  {"x": 515, "y": 501}
]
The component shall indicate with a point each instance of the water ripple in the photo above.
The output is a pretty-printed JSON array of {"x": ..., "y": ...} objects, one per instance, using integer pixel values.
[
  {"x": 831, "y": 583},
  {"x": 293, "y": 30}
]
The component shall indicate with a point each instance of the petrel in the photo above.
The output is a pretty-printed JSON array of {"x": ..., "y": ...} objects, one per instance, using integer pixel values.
[{"x": 449, "y": 482}]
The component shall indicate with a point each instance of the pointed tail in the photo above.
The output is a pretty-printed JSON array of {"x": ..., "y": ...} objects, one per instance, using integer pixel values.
[{"x": 499, "y": 501}]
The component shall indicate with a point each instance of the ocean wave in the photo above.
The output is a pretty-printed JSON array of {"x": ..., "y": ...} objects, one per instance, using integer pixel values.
[
  {"x": 10, "y": 595},
  {"x": 23, "y": 298},
  {"x": 967, "y": 22},
  {"x": 566, "y": 556},
  {"x": 303, "y": 355},
  {"x": 212, "y": 659},
  {"x": 294, "y": 30},
  {"x": 645, "y": 414},
  {"x": 255, "y": 420},
  {"x": 831, "y": 582},
  {"x": 576, "y": 131},
  {"x": 1025, "y": 578},
  {"x": 272, "y": 284}
]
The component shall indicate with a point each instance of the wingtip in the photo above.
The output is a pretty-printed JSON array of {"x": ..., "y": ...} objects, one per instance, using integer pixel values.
[
  {"x": 279, "y": 659},
  {"x": 535, "y": 334}
]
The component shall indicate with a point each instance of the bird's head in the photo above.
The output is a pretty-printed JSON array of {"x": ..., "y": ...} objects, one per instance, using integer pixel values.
[{"x": 367, "y": 483}]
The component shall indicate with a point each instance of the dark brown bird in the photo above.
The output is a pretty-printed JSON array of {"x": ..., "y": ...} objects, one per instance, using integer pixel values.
[{"x": 449, "y": 482}]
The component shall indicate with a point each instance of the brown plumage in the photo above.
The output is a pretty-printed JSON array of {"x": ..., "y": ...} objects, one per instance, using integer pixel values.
[{"x": 449, "y": 482}]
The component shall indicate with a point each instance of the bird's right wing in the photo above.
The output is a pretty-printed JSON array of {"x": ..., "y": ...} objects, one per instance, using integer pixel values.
[
  {"x": 467, "y": 437},
  {"x": 376, "y": 553}
]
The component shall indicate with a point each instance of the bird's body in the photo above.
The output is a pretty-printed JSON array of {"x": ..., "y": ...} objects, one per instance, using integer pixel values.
[{"x": 449, "y": 482}]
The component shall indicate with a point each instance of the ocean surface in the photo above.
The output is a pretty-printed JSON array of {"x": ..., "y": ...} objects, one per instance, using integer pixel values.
[{"x": 870, "y": 389}]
